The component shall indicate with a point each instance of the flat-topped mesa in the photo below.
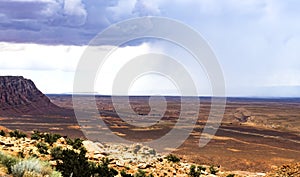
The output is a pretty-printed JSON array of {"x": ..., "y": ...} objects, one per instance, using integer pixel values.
[{"x": 20, "y": 96}]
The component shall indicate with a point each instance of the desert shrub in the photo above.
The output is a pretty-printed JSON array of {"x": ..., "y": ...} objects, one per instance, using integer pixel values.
[
  {"x": 56, "y": 174},
  {"x": 201, "y": 168},
  {"x": 2, "y": 133},
  {"x": 46, "y": 171},
  {"x": 31, "y": 174},
  {"x": 8, "y": 161},
  {"x": 17, "y": 134},
  {"x": 33, "y": 168},
  {"x": 73, "y": 163},
  {"x": 76, "y": 143},
  {"x": 142, "y": 173},
  {"x": 29, "y": 165},
  {"x": 21, "y": 154},
  {"x": 137, "y": 148},
  {"x": 69, "y": 141},
  {"x": 48, "y": 137},
  {"x": 102, "y": 169},
  {"x": 152, "y": 152},
  {"x": 70, "y": 162},
  {"x": 36, "y": 135},
  {"x": 172, "y": 158},
  {"x": 196, "y": 172},
  {"x": 150, "y": 175},
  {"x": 42, "y": 148},
  {"x": 213, "y": 170},
  {"x": 34, "y": 156},
  {"x": 51, "y": 138},
  {"x": 56, "y": 152},
  {"x": 30, "y": 152},
  {"x": 230, "y": 175},
  {"x": 124, "y": 174}
]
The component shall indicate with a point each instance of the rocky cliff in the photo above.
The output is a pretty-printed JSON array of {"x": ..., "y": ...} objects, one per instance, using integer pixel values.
[{"x": 20, "y": 96}]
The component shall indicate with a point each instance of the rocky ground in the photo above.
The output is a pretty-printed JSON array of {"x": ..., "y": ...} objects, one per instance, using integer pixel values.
[
  {"x": 292, "y": 170},
  {"x": 130, "y": 158}
]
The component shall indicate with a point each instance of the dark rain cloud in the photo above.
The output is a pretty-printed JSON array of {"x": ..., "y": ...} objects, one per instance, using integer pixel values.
[{"x": 53, "y": 21}]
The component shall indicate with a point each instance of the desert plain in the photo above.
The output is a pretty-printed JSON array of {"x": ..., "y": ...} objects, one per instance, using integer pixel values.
[{"x": 256, "y": 134}]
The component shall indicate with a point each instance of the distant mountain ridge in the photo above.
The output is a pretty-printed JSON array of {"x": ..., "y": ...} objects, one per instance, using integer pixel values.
[
  {"x": 20, "y": 96},
  {"x": 281, "y": 91}
]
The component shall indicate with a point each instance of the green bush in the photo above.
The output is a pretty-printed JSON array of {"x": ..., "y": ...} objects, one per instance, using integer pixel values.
[
  {"x": 70, "y": 162},
  {"x": 8, "y": 161},
  {"x": 56, "y": 174},
  {"x": 21, "y": 154},
  {"x": 230, "y": 175},
  {"x": 102, "y": 169},
  {"x": 124, "y": 174},
  {"x": 56, "y": 152},
  {"x": 2, "y": 133},
  {"x": 73, "y": 163},
  {"x": 196, "y": 172},
  {"x": 152, "y": 152},
  {"x": 51, "y": 138},
  {"x": 32, "y": 167},
  {"x": 36, "y": 135},
  {"x": 172, "y": 158},
  {"x": 17, "y": 134},
  {"x": 201, "y": 168},
  {"x": 142, "y": 173},
  {"x": 76, "y": 143},
  {"x": 150, "y": 175},
  {"x": 213, "y": 170},
  {"x": 42, "y": 148},
  {"x": 48, "y": 137}
]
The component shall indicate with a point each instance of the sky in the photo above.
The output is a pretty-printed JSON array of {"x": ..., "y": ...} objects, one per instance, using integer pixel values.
[{"x": 256, "y": 43}]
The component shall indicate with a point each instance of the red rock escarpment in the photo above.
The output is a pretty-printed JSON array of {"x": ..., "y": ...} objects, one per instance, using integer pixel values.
[{"x": 20, "y": 96}]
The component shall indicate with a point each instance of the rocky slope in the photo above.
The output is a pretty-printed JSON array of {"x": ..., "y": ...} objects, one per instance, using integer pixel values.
[
  {"x": 130, "y": 158},
  {"x": 20, "y": 96}
]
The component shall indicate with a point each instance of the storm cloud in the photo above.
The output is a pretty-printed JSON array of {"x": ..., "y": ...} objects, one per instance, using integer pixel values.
[{"x": 256, "y": 41}]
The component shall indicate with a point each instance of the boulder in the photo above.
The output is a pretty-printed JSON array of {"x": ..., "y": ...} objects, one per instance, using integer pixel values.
[{"x": 242, "y": 114}]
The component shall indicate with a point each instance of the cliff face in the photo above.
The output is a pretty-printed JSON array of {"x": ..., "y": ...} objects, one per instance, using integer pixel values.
[{"x": 20, "y": 96}]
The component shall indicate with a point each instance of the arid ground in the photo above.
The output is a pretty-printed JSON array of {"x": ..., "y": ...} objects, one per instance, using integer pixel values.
[{"x": 255, "y": 134}]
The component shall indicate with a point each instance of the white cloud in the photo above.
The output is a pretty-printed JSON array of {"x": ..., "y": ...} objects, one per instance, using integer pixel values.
[
  {"x": 48, "y": 81},
  {"x": 52, "y": 8},
  {"x": 39, "y": 57},
  {"x": 52, "y": 68},
  {"x": 151, "y": 83},
  {"x": 77, "y": 11},
  {"x": 144, "y": 8},
  {"x": 114, "y": 63},
  {"x": 122, "y": 10}
]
